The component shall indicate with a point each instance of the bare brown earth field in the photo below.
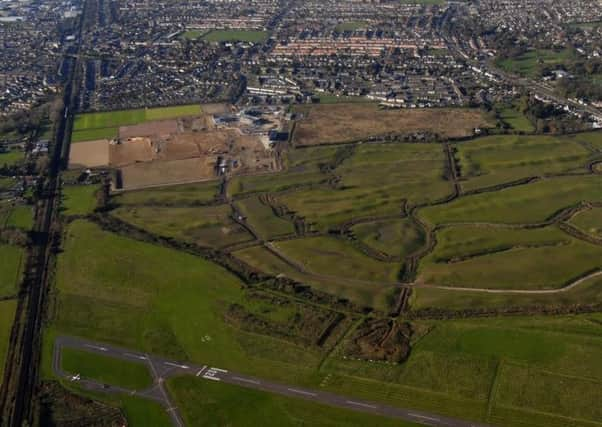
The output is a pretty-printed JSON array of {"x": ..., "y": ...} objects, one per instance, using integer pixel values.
[
  {"x": 132, "y": 151},
  {"x": 140, "y": 175},
  {"x": 161, "y": 127},
  {"x": 89, "y": 154},
  {"x": 334, "y": 123}
]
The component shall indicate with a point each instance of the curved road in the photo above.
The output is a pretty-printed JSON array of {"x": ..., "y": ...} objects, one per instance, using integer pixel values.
[{"x": 163, "y": 368}]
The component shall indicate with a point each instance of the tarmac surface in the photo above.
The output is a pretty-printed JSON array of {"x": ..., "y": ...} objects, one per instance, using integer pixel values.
[{"x": 161, "y": 369}]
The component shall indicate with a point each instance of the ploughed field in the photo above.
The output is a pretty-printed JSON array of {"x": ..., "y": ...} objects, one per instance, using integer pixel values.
[{"x": 335, "y": 273}]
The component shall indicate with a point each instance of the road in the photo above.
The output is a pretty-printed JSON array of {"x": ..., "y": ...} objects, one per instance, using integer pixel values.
[{"x": 163, "y": 368}]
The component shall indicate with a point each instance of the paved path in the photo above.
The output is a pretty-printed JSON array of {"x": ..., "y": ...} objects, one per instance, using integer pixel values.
[{"x": 163, "y": 368}]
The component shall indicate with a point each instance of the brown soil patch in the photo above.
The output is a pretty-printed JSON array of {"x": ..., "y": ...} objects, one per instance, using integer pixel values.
[
  {"x": 148, "y": 174},
  {"x": 89, "y": 154},
  {"x": 328, "y": 124},
  {"x": 161, "y": 127},
  {"x": 131, "y": 151}
]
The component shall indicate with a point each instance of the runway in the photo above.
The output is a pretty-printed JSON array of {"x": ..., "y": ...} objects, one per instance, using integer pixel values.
[{"x": 161, "y": 369}]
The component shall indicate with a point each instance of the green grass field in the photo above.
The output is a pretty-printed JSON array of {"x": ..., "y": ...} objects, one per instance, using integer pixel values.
[
  {"x": 79, "y": 199},
  {"x": 504, "y": 158},
  {"x": 20, "y": 216},
  {"x": 174, "y": 195},
  {"x": 523, "y": 204},
  {"x": 350, "y": 26},
  {"x": 589, "y": 221},
  {"x": 394, "y": 237},
  {"x": 263, "y": 219},
  {"x": 105, "y": 125},
  {"x": 107, "y": 370},
  {"x": 12, "y": 157},
  {"x": 11, "y": 267},
  {"x": 528, "y": 63},
  {"x": 516, "y": 120},
  {"x": 192, "y": 34},
  {"x": 334, "y": 257},
  {"x": 206, "y": 226},
  {"x": 7, "y": 316},
  {"x": 236, "y": 36},
  {"x": 207, "y": 403}
]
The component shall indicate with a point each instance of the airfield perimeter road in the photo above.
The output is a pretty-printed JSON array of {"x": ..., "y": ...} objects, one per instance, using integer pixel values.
[{"x": 163, "y": 368}]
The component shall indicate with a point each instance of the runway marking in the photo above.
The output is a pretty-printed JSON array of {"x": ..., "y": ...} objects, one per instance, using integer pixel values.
[
  {"x": 423, "y": 417},
  {"x": 365, "y": 405},
  {"x": 246, "y": 380},
  {"x": 307, "y": 393},
  {"x": 176, "y": 365},
  {"x": 96, "y": 347},
  {"x": 137, "y": 356},
  {"x": 219, "y": 370},
  {"x": 201, "y": 370},
  {"x": 211, "y": 378}
]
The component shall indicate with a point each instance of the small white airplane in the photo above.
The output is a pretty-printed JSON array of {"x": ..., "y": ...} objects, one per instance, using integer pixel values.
[{"x": 76, "y": 377}]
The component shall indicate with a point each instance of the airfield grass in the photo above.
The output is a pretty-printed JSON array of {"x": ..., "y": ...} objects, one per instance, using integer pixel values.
[
  {"x": 334, "y": 257},
  {"x": 79, "y": 199},
  {"x": 208, "y": 403},
  {"x": 262, "y": 218},
  {"x": 250, "y": 36},
  {"x": 375, "y": 181},
  {"x": 476, "y": 370},
  {"x": 589, "y": 292},
  {"x": 394, "y": 237},
  {"x": 153, "y": 299},
  {"x": 192, "y": 34},
  {"x": 589, "y": 221},
  {"x": 504, "y": 158},
  {"x": 516, "y": 120},
  {"x": 203, "y": 225},
  {"x": 107, "y": 370},
  {"x": 7, "y": 316},
  {"x": 11, "y": 157},
  {"x": 531, "y": 203},
  {"x": 173, "y": 195},
  {"x": 11, "y": 259},
  {"x": 105, "y": 125}
]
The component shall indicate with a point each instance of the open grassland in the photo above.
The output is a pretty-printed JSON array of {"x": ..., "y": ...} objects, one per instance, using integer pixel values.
[
  {"x": 184, "y": 194},
  {"x": 530, "y": 62},
  {"x": 106, "y": 370},
  {"x": 20, "y": 216},
  {"x": 235, "y": 36},
  {"x": 263, "y": 219},
  {"x": 334, "y": 257},
  {"x": 589, "y": 221},
  {"x": 516, "y": 120},
  {"x": 398, "y": 237},
  {"x": 205, "y": 225},
  {"x": 541, "y": 266},
  {"x": 79, "y": 199},
  {"x": 207, "y": 403},
  {"x": 375, "y": 181},
  {"x": 105, "y": 125},
  {"x": 493, "y": 160},
  {"x": 589, "y": 292},
  {"x": 334, "y": 123},
  {"x": 11, "y": 157},
  {"x": 7, "y": 315},
  {"x": 140, "y": 296},
  {"x": 11, "y": 260},
  {"x": 363, "y": 294},
  {"x": 468, "y": 369},
  {"x": 531, "y": 203},
  {"x": 272, "y": 183}
]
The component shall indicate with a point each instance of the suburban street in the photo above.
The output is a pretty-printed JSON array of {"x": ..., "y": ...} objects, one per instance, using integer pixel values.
[{"x": 162, "y": 368}]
